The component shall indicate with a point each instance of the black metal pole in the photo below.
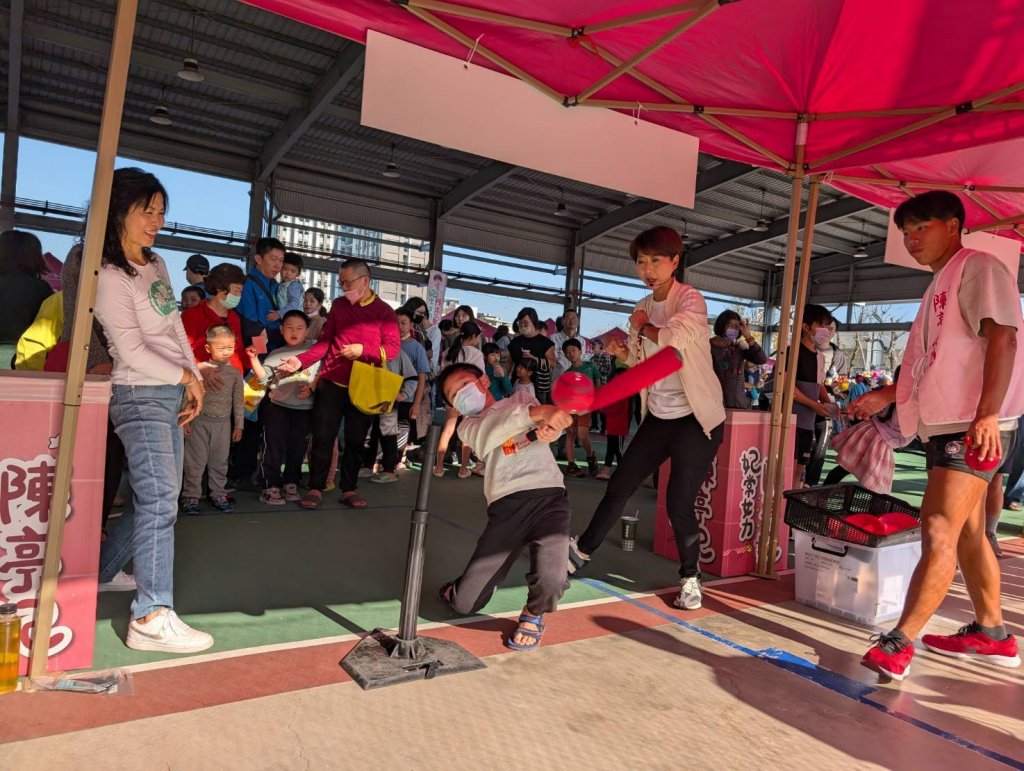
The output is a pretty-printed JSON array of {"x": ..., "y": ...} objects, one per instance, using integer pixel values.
[{"x": 408, "y": 646}]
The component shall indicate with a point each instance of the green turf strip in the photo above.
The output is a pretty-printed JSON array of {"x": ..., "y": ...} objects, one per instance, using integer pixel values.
[{"x": 264, "y": 575}]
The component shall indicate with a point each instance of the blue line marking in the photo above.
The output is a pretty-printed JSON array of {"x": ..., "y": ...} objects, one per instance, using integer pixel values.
[{"x": 808, "y": 670}]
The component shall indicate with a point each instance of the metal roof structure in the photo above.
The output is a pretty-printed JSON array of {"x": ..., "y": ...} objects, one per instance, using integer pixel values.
[{"x": 279, "y": 106}]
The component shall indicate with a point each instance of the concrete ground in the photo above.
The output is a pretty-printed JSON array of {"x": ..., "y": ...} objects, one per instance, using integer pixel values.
[{"x": 624, "y": 680}]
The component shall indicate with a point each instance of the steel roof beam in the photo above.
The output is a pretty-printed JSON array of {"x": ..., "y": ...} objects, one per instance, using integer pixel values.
[
  {"x": 707, "y": 180},
  {"x": 99, "y": 47},
  {"x": 473, "y": 185},
  {"x": 844, "y": 207},
  {"x": 342, "y": 72}
]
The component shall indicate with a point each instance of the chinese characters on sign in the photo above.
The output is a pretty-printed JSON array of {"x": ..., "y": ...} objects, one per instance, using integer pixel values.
[
  {"x": 750, "y": 492},
  {"x": 25, "y": 490},
  {"x": 704, "y": 512}
]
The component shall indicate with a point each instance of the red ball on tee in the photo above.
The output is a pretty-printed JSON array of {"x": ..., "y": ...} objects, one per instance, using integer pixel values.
[{"x": 573, "y": 392}]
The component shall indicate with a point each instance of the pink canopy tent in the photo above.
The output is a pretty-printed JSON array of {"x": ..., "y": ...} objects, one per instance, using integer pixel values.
[
  {"x": 989, "y": 180},
  {"x": 875, "y": 80},
  {"x": 809, "y": 87}
]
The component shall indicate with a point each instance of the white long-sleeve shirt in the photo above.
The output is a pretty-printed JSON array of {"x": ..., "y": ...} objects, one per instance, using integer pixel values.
[
  {"x": 143, "y": 327},
  {"x": 532, "y": 467}
]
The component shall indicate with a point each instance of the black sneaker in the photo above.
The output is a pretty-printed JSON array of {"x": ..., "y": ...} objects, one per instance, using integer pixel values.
[
  {"x": 592, "y": 465},
  {"x": 190, "y": 506}
]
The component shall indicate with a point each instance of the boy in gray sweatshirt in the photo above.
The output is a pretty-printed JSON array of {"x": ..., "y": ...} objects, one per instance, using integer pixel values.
[{"x": 527, "y": 506}]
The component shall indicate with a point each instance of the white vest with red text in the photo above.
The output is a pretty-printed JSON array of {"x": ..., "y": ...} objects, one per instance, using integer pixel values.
[{"x": 943, "y": 384}]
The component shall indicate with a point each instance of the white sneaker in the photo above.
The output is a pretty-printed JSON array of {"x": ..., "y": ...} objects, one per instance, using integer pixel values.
[
  {"x": 291, "y": 493},
  {"x": 122, "y": 582},
  {"x": 166, "y": 633},
  {"x": 690, "y": 594}
]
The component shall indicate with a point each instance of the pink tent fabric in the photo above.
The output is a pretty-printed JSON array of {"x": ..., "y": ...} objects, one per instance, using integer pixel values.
[
  {"x": 827, "y": 59},
  {"x": 615, "y": 333},
  {"x": 972, "y": 171}
]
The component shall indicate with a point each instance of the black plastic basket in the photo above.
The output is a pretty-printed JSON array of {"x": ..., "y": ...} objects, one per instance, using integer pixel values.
[{"x": 823, "y": 511}]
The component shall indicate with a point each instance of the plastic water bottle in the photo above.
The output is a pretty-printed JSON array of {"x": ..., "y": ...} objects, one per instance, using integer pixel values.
[
  {"x": 629, "y": 525},
  {"x": 10, "y": 644}
]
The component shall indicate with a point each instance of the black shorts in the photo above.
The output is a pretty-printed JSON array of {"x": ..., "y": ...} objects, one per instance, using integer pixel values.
[
  {"x": 947, "y": 451},
  {"x": 804, "y": 445}
]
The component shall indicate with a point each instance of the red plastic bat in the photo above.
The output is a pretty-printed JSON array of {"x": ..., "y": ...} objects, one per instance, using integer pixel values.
[{"x": 575, "y": 393}]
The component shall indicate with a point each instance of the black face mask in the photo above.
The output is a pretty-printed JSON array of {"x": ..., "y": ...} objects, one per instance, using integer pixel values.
[{"x": 418, "y": 318}]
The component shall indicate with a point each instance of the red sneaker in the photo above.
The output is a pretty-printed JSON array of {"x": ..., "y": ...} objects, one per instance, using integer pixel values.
[
  {"x": 971, "y": 643},
  {"x": 889, "y": 657}
]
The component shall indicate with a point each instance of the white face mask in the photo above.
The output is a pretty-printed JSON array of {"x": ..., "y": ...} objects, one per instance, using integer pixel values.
[{"x": 469, "y": 400}]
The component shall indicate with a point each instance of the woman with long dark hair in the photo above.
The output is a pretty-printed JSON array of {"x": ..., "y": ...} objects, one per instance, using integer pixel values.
[
  {"x": 157, "y": 388},
  {"x": 683, "y": 413}
]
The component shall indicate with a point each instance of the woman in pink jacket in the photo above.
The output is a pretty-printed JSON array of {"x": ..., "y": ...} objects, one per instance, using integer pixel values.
[{"x": 684, "y": 412}]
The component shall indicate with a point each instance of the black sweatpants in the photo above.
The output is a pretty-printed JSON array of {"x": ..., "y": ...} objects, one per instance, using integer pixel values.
[
  {"x": 285, "y": 438},
  {"x": 533, "y": 519},
  {"x": 330, "y": 405},
  {"x": 683, "y": 441}
]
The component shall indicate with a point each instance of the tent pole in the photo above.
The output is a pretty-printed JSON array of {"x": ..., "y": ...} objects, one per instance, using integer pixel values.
[
  {"x": 787, "y": 406},
  {"x": 669, "y": 94},
  {"x": 686, "y": 107},
  {"x": 781, "y": 358},
  {"x": 637, "y": 18},
  {"x": 498, "y": 18},
  {"x": 638, "y": 57},
  {"x": 485, "y": 52},
  {"x": 922, "y": 185},
  {"x": 931, "y": 120},
  {"x": 1007, "y": 223},
  {"x": 99, "y": 203}
]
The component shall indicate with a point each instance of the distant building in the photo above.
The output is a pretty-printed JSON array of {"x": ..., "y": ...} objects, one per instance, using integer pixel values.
[{"x": 328, "y": 240}]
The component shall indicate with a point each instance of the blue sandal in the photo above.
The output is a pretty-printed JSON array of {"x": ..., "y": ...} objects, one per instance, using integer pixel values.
[{"x": 526, "y": 618}]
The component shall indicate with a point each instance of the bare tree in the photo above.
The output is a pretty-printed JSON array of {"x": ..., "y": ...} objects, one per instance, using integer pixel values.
[{"x": 867, "y": 349}]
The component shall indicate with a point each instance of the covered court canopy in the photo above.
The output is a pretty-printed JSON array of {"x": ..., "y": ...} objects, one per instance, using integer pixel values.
[{"x": 279, "y": 107}]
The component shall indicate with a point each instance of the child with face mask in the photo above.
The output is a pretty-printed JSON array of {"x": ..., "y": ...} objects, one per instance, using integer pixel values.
[
  {"x": 527, "y": 506},
  {"x": 732, "y": 347}
]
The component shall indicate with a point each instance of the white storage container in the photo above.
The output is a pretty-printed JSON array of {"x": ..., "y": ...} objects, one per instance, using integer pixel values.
[{"x": 862, "y": 583}]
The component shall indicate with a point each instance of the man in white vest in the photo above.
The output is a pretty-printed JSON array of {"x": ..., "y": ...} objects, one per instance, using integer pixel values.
[{"x": 961, "y": 389}]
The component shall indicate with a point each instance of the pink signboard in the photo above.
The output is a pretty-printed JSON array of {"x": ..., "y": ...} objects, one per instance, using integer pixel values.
[
  {"x": 731, "y": 501},
  {"x": 31, "y": 411}
]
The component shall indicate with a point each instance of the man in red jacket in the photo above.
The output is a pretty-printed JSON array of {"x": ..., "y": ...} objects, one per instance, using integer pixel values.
[{"x": 360, "y": 326}]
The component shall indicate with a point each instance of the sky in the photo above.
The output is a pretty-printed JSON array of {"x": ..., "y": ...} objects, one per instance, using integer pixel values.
[{"x": 60, "y": 174}]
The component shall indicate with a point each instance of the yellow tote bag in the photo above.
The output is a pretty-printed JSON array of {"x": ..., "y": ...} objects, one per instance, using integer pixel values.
[{"x": 373, "y": 390}]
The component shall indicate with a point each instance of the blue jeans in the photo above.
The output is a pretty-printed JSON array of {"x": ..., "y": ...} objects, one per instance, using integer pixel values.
[{"x": 146, "y": 420}]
